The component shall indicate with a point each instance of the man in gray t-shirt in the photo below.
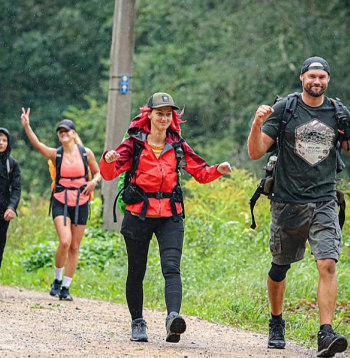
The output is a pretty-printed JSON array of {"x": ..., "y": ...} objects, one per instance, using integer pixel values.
[{"x": 303, "y": 197}]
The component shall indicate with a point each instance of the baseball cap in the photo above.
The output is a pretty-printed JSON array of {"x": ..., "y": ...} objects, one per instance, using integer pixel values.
[
  {"x": 67, "y": 124},
  {"x": 161, "y": 99},
  {"x": 324, "y": 65}
]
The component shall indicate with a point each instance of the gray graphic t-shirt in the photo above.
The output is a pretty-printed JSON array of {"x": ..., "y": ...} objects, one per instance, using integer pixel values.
[{"x": 306, "y": 166}]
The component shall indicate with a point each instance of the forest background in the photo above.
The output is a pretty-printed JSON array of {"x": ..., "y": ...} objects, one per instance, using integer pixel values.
[{"x": 220, "y": 59}]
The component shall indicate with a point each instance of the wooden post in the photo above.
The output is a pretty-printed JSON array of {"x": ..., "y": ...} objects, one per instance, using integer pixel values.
[{"x": 119, "y": 104}]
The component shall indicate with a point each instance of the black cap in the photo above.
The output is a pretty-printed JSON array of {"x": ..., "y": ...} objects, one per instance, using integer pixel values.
[
  {"x": 161, "y": 99},
  {"x": 67, "y": 124},
  {"x": 324, "y": 65}
]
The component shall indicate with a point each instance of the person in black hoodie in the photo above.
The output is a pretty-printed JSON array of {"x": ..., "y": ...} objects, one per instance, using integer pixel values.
[{"x": 10, "y": 187}]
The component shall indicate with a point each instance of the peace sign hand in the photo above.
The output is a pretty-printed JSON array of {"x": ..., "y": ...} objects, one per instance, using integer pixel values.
[{"x": 25, "y": 117}]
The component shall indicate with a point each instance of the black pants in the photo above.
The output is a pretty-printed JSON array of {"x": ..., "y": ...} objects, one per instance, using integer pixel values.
[
  {"x": 137, "y": 235},
  {"x": 4, "y": 225}
]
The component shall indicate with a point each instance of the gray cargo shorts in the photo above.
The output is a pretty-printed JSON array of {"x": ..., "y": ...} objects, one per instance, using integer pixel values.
[{"x": 293, "y": 224}]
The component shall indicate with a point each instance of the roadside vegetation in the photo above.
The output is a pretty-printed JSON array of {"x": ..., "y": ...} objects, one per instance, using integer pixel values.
[{"x": 224, "y": 265}]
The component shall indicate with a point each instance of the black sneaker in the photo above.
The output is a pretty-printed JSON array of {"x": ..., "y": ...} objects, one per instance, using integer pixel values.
[
  {"x": 64, "y": 294},
  {"x": 55, "y": 287},
  {"x": 175, "y": 325},
  {"x": 330, "y": 343},
  {"x": 138, "y": 330},
  {"x": 276, "y": 333}
]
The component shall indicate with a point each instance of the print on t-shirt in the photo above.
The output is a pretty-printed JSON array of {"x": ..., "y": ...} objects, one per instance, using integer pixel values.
[{"x": 313, "y": 141}]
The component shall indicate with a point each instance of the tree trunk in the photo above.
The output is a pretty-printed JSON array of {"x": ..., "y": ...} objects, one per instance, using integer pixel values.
[{"x": 118, "y": 112}]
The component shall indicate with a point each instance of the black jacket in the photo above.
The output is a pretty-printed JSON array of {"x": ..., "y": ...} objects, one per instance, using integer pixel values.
[{"x": 10, "y": 179}]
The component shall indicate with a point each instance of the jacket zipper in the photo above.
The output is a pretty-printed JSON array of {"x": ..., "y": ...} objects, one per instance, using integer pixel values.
[{"x": 161, "y": 184}]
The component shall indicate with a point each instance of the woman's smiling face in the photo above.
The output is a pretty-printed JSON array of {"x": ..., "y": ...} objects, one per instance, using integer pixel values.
[{"x": 161, "y": 118}]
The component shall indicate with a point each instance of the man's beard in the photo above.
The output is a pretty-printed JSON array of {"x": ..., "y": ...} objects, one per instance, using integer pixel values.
[{"x": 315, "y": 94}]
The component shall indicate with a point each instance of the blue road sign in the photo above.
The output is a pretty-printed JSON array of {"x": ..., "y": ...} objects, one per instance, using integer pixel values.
[{"x": 124, "y": 83}]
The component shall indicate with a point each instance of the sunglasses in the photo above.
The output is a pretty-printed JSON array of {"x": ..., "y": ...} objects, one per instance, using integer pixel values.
[{"x": 63, "y": 131}]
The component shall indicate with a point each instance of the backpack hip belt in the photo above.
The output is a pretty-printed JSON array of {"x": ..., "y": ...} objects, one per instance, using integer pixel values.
[
  {"x": 61, "y": 188},
  {"x": 133, "y": 194}
]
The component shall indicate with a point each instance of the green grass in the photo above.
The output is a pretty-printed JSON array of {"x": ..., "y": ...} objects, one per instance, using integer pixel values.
[{"x": 224, "y": 265}]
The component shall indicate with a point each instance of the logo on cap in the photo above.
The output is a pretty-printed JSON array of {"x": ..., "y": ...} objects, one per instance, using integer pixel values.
[{"x": 165, "y": 99}]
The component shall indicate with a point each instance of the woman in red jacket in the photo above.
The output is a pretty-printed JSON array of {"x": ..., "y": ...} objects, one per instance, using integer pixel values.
[{"x": 159, "y": 209}]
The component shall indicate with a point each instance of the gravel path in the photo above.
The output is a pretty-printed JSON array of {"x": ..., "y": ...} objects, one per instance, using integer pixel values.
[{"x": 34, "y": 324}]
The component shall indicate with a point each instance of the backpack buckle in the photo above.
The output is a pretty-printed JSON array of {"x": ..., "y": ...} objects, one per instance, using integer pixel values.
[{"x": 159, "y": 195}]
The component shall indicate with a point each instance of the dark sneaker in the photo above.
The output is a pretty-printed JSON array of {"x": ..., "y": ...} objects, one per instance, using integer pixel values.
[
  {"x": 276, "y": 333},
  {"x": 64, "y": 294},
  {"x": 55, "y": 287},
  {"x": 138, "y": 330},
  {"x": 175, "y": 325},
  {"x": 330, "y": 343}
]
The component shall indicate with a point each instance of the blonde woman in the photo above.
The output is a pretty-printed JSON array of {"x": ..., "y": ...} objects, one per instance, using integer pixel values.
[{"x": 70, "y": 198}]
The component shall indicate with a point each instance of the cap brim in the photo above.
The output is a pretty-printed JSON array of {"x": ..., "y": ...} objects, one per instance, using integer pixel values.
[
  {"x": 63, "y": 126},
  {"x": 165, "y": 105}
]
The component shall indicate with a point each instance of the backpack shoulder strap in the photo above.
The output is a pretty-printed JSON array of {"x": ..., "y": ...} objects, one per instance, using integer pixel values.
[
  {"x": 10, "y": 163},
  {"x": 340, "y": 114},
  {"x": 59, "y": 155},
  {"x": 343, "y": 123},
  {"x": 179, "y": 154},
  {"x": 129, "y": 174},
  {"x": 138, "y": 147},
  {"x": 8, "y": 168},
  {"x": 288, "y": 114},
  {"x": 83, "y": 154},
  {"x": 289, "y": 110}
]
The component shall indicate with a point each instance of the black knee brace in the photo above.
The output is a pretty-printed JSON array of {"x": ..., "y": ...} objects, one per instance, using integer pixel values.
[{"x": 278, "y": 273}]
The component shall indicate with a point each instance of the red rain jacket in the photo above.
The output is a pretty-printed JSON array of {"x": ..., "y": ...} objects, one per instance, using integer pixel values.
[{"x": 157, "y": 174}]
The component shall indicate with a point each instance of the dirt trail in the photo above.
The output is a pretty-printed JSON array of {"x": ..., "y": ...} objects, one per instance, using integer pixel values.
[{"x": 33, "y": 324}]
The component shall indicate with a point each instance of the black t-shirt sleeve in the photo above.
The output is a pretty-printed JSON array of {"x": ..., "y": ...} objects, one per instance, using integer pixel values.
[{"x": 271, "y": 126}]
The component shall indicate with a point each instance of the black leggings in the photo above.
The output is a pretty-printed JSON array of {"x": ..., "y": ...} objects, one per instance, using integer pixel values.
[
  {"x": 170, "y": 237},
  {"x": 4, "y": 225}
]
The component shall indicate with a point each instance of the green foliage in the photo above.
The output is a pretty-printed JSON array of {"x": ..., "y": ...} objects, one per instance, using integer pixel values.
[
  {"x": 52, "y": 53},
  {"x": 223, "y": 58},
  {"x": 224, "y": 265},
  {"x": 38, "y": 256},
  {"x": 218, "y": 58},
  {"x": 93, "y": 122}
]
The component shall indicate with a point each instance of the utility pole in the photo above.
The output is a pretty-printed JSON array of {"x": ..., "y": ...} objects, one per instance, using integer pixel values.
[{"x": 119, "y": 96}]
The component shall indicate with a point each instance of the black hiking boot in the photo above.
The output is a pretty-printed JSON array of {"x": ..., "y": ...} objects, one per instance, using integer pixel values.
[
  {"x": 330, "y": 343},
  {"x": 138, "y": 330},
  {"x": 276, "y": 333},
  {"x": 55, "y": 287},
  {"x": 175, "y": 325},
  {"x": 64, "y": 294}
]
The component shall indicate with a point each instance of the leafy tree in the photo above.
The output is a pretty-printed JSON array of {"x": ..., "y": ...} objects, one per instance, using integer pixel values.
[{"x": 218, "y": 58}]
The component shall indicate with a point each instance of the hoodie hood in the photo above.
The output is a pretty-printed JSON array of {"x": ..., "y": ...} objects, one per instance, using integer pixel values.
[{"x": 7, "y": 152}]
